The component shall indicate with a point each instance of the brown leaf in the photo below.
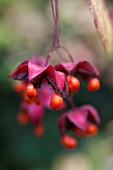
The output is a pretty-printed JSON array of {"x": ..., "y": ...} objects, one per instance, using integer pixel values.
[{"x": 103, "y": 24}]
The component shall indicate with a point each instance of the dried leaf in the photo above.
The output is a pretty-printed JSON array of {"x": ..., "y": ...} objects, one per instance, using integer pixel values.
[{"x": 103, "y": 24}]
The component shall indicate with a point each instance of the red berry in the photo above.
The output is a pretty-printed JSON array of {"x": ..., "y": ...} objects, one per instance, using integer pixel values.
[
  {"x": 73, "y": 83},
  {"x": 39, "y": 130},
  {"x": 79, "y": 132},
  {"x": 19, "y": 87},
  {"x": 92, "y": 129},
  {"x": 56, "y": 102},
  {"x": 23, "y": 118},
  {"x": 27, "y": 99},
  {"x": 68, "y": 141},
  {"x": 94, "y": 84},
  {"x": 31, "y": 91},
  {"x": 36, "y": 100}
]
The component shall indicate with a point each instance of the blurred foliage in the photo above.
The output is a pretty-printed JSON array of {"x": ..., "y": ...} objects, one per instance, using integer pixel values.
[
  {"x": 26, "y": 28},
  {"x": 4, "y": 6}
]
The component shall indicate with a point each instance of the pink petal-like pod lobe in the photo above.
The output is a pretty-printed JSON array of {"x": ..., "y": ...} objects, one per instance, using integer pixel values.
[
  {"x": 37, "y": 73},
  {"x": 81, "y": 69},
  {"x": 92, "y": 113},
  {"x": 21, "y": 72},
  {"x": 78, "y": 117},
  {"x": 39, "y": 60},
  {"x": 65, "y": 67},
  {"x": 56, "y": 79},
  {"x": 35, "y": 112},
  {"x": 60, "y": 79},
  {"x": 45, "y": 93},
  {"x": 85, "y": 70}
]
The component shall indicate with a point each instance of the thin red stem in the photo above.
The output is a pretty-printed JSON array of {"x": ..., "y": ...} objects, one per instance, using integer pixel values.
[
  {"x": 54, "y": 5},
  {"x": 57, "y": 52},
  {"x": 55, "y": 18},
  {"x": 65, "y": 49},
  {"x": 57, "y": 43},
  {"x": 50, "y": 53},
  {"x": 57, "y": 15},
  {"x": 72, "y": 103}
]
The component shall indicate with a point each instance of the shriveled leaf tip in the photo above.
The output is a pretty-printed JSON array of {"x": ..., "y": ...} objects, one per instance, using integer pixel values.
[{"x": 103, "y": 24}]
